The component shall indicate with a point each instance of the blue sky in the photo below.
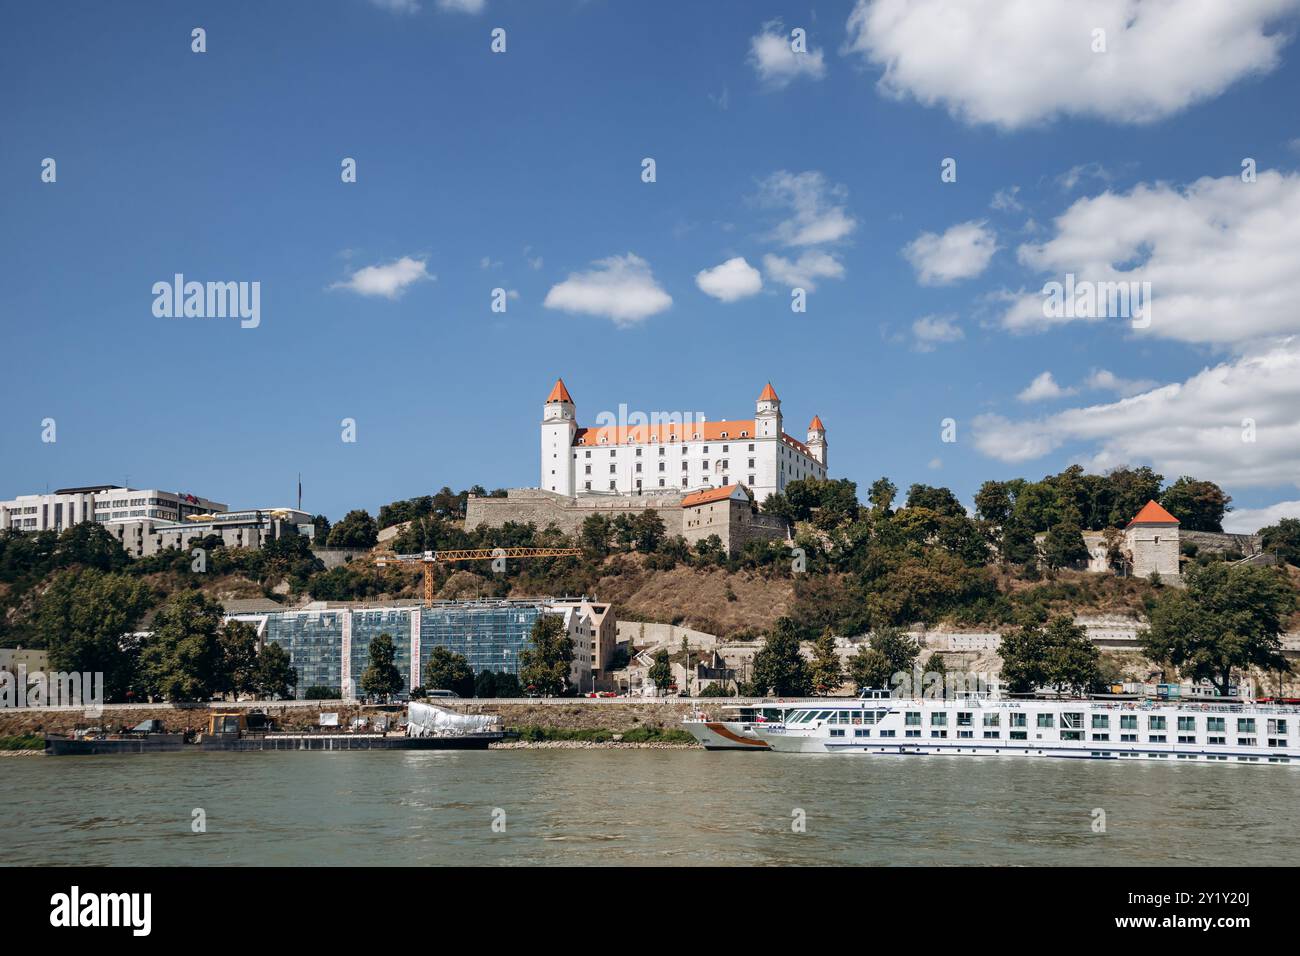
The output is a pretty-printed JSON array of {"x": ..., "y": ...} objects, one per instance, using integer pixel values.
[{"x": 523, "y": 171}]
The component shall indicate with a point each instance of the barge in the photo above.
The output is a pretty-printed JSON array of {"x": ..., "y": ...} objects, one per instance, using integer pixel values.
[{"x": 427, "y": 728}]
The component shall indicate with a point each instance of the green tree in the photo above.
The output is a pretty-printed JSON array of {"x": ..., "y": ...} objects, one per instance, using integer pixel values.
[
  {"x": 85, "y": 619},
  {"x": 544, "y": 665},
  {"x": 447, "y": 670},
  {"x": 898, "y": 649},
  {"x": 649, "y": 530},
  {"x": 1228, "y": 617},
  {"x": 1129, "y": 489},
  {"x": 940, "y": 500},
  {"x": 825, "y": 672},
  {"x": 320, "y": 529},
  {"x": 237, "y": 641},
  {"x": 356, "y": 530},
  {"x": 183, "y": 659},
  {"x": 869, "y": 668},
  {"x": 1198, "y": 505},
  {"x": 661, "y": 671},
  {"x": 1064, "y": 545},
  {"x": 273, "y": 676},
  {"x": 881, "y": 495},
  {"x": 779, "y": 668},
  {"x": 90, "y": 544},
  {"x": 1057, "y": 654},
  {"x": 1283, "y": 539},
  {"x": 381, "y": 678},
  {"x": 485, "y": 685},
  {"x": 594, "y": 535},
  {"x": 993, "y": 502},
  {"x": 507, "y": 685}
]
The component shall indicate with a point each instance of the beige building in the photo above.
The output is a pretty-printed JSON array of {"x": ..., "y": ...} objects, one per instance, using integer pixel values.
[
  {"x": 11, "y": 658},
  {"x": 593, "y": 628}
]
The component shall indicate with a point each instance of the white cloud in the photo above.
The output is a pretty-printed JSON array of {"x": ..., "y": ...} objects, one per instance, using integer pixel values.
[
  {"x": 620, "y": 288},
  {"x": 1222, "y": 257},
  {"x": 933, "y": 330},
  {"x": 734, "y": 279},
  {"x": 1106, "y": 381},
  {"x": 462, "y": 6},
  {"x": 1013, "y": 64},
  {"x": 962, "y": 252},
  {"x": 1194, "y": 428},
  {"x": 1250, "y": 520},
  {"x": 816, "y": 208},
  {"x": 774, "y": 60},
  {"x": 388, "y": 281},
  {"x": 804, "y": 271},
  {"x": 1004, "y": 200},
  {"x": 1043, "y": 388}
]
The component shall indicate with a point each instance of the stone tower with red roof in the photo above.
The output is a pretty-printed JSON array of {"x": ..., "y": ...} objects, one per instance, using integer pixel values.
[{"x": 1151, "y": 542}]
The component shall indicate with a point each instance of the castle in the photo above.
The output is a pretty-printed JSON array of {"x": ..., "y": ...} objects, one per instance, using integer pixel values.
[
  {"x": 664, "y": 454},
  {"x": 703, "y": 478}
]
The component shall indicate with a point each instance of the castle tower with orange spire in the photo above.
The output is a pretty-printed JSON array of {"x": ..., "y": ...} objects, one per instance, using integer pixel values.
[{"x": 559, "y": 424}]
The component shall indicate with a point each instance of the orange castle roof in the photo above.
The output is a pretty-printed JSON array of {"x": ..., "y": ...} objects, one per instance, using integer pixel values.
[
  {"x": 559, "y": 393},
  {"x": 768, "y": 394},
  {"x": 816, "y": 424},
  {"x": 1152, "y": 513},
  {"x": 708, "y": 496}
]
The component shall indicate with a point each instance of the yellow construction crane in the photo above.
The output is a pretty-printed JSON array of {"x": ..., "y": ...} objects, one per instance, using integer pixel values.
[{"x": 429, "y": 558}]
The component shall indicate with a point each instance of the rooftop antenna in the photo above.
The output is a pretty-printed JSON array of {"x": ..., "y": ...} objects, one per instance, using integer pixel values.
[{"x": 300, "y": 491}]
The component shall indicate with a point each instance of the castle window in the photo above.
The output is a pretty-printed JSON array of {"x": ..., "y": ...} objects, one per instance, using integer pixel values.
[
  {"x": 612, "y": 467},
  {"x": 751, "y": 447},
  {"x": 612, "y": 486},
  {"x": 638, "y": 452},
  {"x": 683, "y": 482},
  {"x": 751, "y": 480},
  {"x": 746, "y": 435},
  {"x": 661, "y": 482},
  {"x": 724, "y": 435},
  {"x": 663, "y": 451},
  {"x": 587, "y": 453},
  {"x": 705, "y": 449},
  {"x": 724, "y": 447}
]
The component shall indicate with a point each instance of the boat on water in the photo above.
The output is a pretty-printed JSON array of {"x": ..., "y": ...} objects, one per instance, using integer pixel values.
[
  {"x": 427, "y": 728},
  {"x": 732, "y": 726},
  {"x": 1240, "y": 732}
]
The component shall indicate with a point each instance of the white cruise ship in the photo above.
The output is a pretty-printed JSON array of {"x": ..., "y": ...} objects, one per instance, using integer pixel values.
[
  {"x": 731, "y": 727},
  {"x": 1086, "y": 729}
]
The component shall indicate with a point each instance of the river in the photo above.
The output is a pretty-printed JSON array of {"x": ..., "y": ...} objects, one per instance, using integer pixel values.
[{"x": 640, "y": 807}]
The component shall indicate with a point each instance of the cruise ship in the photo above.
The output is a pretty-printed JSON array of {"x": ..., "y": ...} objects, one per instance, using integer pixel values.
[
  {"x": 732, "y": 727},
  {"x": 1081, "y": 729}
]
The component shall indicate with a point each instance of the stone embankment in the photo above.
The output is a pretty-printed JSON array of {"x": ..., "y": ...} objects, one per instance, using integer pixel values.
[{"x": 617, "y": 716}]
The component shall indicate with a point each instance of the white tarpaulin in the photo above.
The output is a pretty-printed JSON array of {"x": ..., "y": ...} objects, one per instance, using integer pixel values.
[{"x": 425, "y": 720}]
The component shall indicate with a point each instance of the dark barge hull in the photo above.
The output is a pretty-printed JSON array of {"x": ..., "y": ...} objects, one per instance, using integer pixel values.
[{"x": 174, "y": 743}]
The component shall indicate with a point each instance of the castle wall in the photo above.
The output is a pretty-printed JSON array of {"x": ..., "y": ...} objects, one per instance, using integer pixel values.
[
  {"x": 1154, "y": 549},
  {"x": 732, "y": 521}
]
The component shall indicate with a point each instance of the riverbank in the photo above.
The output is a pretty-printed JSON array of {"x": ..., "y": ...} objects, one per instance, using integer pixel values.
[{"x": 598, "y": 720}]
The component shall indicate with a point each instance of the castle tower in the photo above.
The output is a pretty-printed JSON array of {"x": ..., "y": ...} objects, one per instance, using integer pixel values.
[
  {"x": 1151, "y": 540},
  {"x": 817, "y": 439},
  {"x": 767, "y": 415},
  {"x": 559, "y": 424}
]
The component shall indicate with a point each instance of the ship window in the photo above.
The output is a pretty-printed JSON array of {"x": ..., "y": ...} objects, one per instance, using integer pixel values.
[
  {"x": 1101, "y": 721},
  {"x": 1245, "y": 725}
]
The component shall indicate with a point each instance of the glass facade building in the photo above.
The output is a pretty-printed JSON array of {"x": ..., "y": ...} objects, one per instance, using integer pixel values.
[
  {"x": 366, "y": 626},
  {"x": 314, "y": 643},
  {"x": 489, "y": 636}
]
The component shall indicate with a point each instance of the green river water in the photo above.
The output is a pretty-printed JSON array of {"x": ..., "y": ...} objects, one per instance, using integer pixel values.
[{"x": 641, "y": 807}]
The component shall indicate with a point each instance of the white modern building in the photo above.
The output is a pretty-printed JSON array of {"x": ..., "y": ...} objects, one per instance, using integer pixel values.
[
  {"x": 68, "y": 506},
  {"x": 646, "y": 455}
]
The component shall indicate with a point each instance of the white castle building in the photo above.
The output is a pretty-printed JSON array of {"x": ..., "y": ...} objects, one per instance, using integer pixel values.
[{"x": 666, "y": 455}]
